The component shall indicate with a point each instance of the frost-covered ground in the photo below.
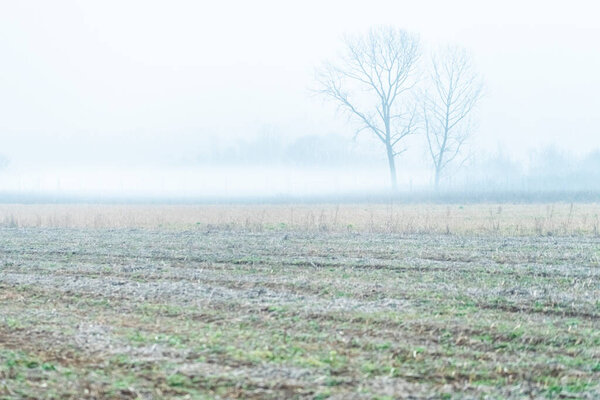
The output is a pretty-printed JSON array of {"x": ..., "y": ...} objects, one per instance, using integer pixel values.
[{"x": 288, "y": 313}]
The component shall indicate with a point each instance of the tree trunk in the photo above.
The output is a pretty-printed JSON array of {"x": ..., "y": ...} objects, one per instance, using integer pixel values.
[
  {"x": 392, "y": 165},
  {"x": 439, "y": 165}
]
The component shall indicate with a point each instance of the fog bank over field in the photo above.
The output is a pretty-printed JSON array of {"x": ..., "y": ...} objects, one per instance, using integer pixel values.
[
  {"x": 219, "y": 176},
  {"x": 197, "y": 182},
  {"x": 269, "y": 165}
]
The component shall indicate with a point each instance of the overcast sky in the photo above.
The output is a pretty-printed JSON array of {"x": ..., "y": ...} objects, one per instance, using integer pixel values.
[{"x": 81, "y": 79}]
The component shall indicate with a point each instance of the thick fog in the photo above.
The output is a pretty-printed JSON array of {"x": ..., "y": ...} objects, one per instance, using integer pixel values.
[{"x": 186, "y": 98}]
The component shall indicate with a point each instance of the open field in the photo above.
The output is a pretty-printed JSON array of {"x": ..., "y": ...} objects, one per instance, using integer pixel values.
[{"x": 203, "y": 307}]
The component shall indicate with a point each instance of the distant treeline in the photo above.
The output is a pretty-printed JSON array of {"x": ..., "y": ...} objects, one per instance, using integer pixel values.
[
  {"x": 304, "y": 151},
  {"x": 547, "y": 170}
]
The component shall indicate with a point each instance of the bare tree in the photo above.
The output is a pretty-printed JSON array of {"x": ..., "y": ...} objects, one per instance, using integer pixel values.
[
  {"x": 447, "y": 104},
  {"x": 371, "y": 83}
]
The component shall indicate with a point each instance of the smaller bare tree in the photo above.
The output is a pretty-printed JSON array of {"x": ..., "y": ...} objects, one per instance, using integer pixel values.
[
  {"x": 455, "y": 89},
  {"x": 372, "y": 83}
]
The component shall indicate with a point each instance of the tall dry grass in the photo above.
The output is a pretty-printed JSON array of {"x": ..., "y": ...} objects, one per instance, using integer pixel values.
[{"x": 509, "y": 219}]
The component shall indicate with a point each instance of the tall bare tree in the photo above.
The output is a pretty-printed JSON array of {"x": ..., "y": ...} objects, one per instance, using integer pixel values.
[
  {"x": 455, "y": 88},
  {"x": 371, "y": 83}
]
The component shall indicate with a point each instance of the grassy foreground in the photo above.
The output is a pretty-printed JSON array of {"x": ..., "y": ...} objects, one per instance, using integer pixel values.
[{"x": 220, "y": 313}]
